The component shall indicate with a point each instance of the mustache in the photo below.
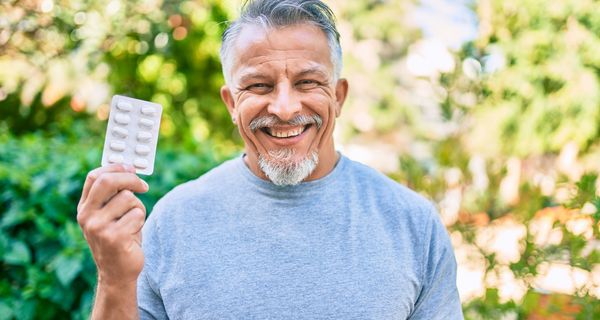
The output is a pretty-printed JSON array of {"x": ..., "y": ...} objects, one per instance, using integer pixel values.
[{"x": 272, "y": 120}]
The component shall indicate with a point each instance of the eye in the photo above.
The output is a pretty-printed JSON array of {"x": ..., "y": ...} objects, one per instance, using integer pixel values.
[
  {"x": 259, "y": 88},
  {"x": 307, "y": 84}
]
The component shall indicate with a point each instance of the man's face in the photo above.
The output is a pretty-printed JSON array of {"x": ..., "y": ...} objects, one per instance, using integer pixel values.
[{"x": 283, "y": 97}]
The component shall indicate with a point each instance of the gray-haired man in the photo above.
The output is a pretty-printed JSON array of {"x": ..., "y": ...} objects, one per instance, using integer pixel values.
[{"x": 290, "y": 230}]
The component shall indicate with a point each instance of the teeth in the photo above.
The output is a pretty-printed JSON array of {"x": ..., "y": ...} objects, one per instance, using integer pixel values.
[{"x": 285, "y": 133}]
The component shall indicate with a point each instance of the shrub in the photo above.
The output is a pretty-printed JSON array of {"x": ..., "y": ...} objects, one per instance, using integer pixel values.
[{"x": 47, "y": 269}]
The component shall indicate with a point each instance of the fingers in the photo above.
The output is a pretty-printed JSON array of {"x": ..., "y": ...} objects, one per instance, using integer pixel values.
[
  {"x": 94, "y": 174},
  {"x": 120, "y": 204},
  {"x": 132, "y": 221},
  {"x": 121, "y": 218},
  {"x": 111, "y": 218},
  {"x": 109, "y": 184}
]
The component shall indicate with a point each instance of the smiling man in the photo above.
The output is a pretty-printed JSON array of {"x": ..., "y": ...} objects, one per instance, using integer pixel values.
[
  {"x": 284, "y": 92},
  {"x": 290, "y": 230}
]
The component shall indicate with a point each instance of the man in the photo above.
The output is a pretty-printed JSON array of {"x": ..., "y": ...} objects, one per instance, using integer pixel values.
[{"x": 290, "y": 230}]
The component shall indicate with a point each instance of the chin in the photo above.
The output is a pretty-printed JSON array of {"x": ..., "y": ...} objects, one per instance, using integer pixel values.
[{"x": 284, "y": 167}]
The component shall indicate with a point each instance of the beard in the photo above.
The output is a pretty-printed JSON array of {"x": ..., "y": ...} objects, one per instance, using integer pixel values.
[
  {"x": 281, "y": 166},
  {"x": 283, "y": 170}
]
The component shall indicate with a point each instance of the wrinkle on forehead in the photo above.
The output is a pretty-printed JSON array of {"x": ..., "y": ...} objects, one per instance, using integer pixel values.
[
  {"x": 304, "y": 44},
  {"x": 277, "y": 38},
  {"x": 290, "y": 68}
]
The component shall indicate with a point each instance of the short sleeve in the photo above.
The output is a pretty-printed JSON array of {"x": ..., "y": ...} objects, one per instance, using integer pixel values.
[
  {"x": 439, "y": 297},
  {"x": 150, "y": 304}
]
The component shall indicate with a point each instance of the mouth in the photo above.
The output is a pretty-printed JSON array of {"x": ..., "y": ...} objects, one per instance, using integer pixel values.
[{"x": 285, "y": 132}]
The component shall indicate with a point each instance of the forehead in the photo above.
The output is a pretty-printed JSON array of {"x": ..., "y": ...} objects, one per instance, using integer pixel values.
[{"x": 296, "y": 46}]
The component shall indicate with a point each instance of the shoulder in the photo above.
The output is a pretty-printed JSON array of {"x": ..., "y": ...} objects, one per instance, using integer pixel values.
[
  {"x": 373, "y": 183},
  {"x": 405, "y": 213},
  {"x": 217, "y": 178},
  {"x": 203, "y": 190}
]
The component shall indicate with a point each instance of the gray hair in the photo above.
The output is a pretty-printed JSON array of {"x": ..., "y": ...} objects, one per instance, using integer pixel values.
[
  {"x": 283, "y": 171},
  {"x": 281, "y": 13}
]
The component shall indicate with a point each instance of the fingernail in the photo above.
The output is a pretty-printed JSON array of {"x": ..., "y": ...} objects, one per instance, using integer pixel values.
[
  {"x": 147, "y": 187},
  {"x": 128, "y": 167}
]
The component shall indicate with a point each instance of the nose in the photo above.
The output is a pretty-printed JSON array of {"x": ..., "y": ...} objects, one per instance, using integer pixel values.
[{"x": 286, "y": 104}]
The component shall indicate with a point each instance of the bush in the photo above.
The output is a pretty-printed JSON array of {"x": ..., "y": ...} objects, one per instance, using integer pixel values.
[
  {"x": 67, "y": 60},
  {"x": 47, "y": 269}
]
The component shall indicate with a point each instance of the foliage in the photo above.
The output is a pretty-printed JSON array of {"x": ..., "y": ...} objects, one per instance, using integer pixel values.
[
  {"x": 527, "y": 107},
  {"x": 539, "y": 85},
  {"x": 47, "y": 270},
  {"x": 373, "y": 54},
  {"x": 59, "y": 60},
  {"x": 485, "y": 131}
]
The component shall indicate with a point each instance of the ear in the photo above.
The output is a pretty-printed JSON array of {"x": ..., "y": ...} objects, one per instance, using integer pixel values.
[
  {"x": 341, "y": 91},
  {"x": 227, "y": 98}
]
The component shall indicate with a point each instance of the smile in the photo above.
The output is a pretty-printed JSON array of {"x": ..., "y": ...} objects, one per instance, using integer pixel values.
[{"x": 283, "y": 132}]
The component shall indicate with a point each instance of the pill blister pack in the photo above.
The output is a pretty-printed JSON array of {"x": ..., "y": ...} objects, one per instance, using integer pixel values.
[{"x": 132, "y": 133}]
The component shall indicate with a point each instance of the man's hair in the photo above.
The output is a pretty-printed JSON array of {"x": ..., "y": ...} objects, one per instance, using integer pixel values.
[{"x": 282, "y": 13}]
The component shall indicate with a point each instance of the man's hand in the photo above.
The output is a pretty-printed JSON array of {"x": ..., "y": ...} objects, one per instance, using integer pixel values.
[{"x": 111, "y": 218}]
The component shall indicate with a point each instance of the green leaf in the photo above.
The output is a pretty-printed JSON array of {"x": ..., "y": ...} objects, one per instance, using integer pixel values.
[
  {"x": 66, "y": 269},
  {"x": 17, "y": 254},
  {"x": 492, "y": 297},
  {"x": 24, "y": 309},
  {"x": 14, "y": 215},
  {"x": 5, "y": 311},
  {"x": 531, "y": 301},
  {"x": 596, "y": 215},
  {"x": 85, "y": 305},
  {"x": 586, "y": 190}
]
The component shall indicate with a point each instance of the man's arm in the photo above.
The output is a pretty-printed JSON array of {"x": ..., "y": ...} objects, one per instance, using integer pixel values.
[
  {"x": 111, "y": 218},
  {"x": 439, "y": 296},
  {"x": 149, "y": 300},
  {"x": 115, "y": 301}
]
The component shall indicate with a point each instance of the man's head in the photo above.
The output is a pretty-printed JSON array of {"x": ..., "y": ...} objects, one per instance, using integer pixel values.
[
  {"x": 281, "y": 61},
  {"x": 276, "y": 14}
]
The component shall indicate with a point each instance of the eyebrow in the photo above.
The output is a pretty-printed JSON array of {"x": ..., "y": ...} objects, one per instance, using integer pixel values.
[
  {"x": 255, "y": 75},
  {"x": 313, "y": 70},
  {"x": 252, "y": 76}
]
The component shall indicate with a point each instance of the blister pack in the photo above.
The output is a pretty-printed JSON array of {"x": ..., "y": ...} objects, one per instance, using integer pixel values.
[{"x": 132, "y": 133}]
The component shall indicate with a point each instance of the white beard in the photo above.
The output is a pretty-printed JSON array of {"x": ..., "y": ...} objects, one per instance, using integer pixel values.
[{"x": 280, "y": 167}]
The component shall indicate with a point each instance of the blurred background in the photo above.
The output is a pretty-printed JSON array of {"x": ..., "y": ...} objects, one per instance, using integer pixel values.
[{"x": 490, "y": 108}]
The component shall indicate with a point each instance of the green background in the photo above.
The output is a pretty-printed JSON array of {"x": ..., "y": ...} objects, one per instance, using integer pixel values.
[{"x": 526, "y": 90}]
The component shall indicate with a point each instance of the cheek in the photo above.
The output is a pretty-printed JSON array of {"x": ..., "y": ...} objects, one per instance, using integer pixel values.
[
  {"x": 321, "y": 105},
  {"x": 249, "y": 108}
]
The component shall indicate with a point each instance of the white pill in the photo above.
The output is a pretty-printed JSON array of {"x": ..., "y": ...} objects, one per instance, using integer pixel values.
[
  {"x": 115, "y": 158},
  {"x": 147, "y": 110},
  {"x": 140, "y": 163},
  {"x": 117, "y": 145},
  {"x": 122, "y": 119},
  {"x": 119, "y": 132},
  {"x": 142, "y": 149},
  {"x": 124, "y": 106},
  {"x": 146, "y": 123},
  {"x": 132, "y": 133},
  {"x": 144, "y": 136}
]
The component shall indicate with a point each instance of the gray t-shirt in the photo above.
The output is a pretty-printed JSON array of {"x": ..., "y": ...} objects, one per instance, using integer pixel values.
[{"x": 351, "y": 245}]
